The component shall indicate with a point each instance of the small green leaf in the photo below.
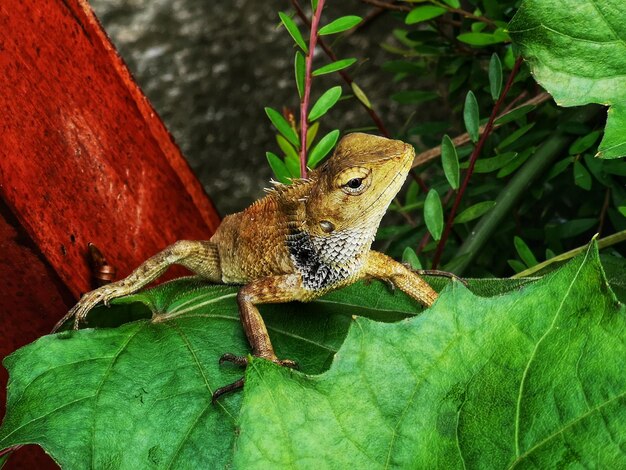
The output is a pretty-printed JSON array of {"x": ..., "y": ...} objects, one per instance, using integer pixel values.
[
  {"x": 340, "y": 24},
  {"x": 324, "y": 103},
  {"x": 414, "y": 96},
  {"x": 473, "y": 212},
  {"x": 311, "y": 133},
  {"x": 410, "y": 257},
  {"x": 278, "y": 167},
  {"x": 559, "y": 167},
  {"x": 314, "y": 5},
  {"x": 583, "y": 143},
  {"x": 470, "y": 116},
  {"x": 524, "y": 252},
  {"x": 514, "y": 114},
  {"x": 495, "y": 76},
  {"x": 582, "y": 178},
  {"x": 322, "y": 148},
  {"x": 479, "y": 39},
  {"x": 515, "y": 163},
  {"x": 622, "y": 210},
  {"x": 511, "y": 138},
  {"x": 433, "y": 214},
  {"x": 334, "y": 67},
  {"x": 450, "y": 162},
  {"x": 300, "y": 71},
  {"x": 360, "y": 95},
  {"x": 286, "y": 147},
  {"x": 281, "y": 124},
  {"x": 453, "y": 3},
  {"x": 293, "y": 30},
  {"x": 424, "y": 13},
  {"x": 516, "y": 265},
  {"x": 292, "y": 162}
]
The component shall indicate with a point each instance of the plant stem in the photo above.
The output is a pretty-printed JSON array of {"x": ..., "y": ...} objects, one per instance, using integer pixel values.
[
  {"x": 306, "y": 95},
  {"x": 346, "y": 77},
  {"x": 602, "y": 243},
  {"x": 472, "y": 162},
  {"x": 514, "y": 191}
]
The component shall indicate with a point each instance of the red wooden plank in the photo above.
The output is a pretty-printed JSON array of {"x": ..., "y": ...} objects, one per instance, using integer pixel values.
[{"x": 83, "y": 158}]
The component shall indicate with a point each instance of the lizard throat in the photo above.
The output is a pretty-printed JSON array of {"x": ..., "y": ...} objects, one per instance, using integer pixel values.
[{"x": 325, "y": 261}]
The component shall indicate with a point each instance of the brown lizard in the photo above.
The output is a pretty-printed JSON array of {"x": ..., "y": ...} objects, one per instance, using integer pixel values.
[{"x": 297, "y": 243}]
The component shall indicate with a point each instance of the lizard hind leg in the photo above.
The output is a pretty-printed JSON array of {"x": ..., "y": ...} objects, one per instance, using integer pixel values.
[
  {"x": 273, "y": 289},
  {"x": 201, "y": 257}
]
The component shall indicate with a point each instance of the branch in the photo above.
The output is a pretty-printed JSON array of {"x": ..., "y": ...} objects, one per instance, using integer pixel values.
[
  {"x": 347, "y": 78},
  {"x": 306, "y": 96},
  {"x": 463, "y": 139},
  {"x": 472, "y": 162}
]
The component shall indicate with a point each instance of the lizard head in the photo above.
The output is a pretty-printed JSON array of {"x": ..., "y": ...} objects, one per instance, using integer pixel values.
[{"x": 357, "y": 183}]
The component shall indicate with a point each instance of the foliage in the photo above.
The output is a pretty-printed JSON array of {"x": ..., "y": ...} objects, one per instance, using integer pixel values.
[{"x": 139, "y": 395}]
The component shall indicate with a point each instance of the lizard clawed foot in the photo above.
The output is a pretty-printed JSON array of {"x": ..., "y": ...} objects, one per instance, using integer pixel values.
[
  {"x": 89, "y": 300},
  {"x": 243, "y": 362}
]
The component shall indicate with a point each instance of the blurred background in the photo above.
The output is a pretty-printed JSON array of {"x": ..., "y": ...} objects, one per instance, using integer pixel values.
[{"x": 210, "y": 67}]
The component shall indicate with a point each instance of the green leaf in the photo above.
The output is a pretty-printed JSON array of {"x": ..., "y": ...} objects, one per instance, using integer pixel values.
[
  {"x": 515, "y": 163},
  {"x": 473, "y": 212},
  {"x": 512, "y": 138},
  {"x": 360, "y": 95},
  {"x": 281, "y": 124},
  {"x": 453, "y": 3},
  {"x": 576, "y": 52},
  {"x": 414, "y": 96},
  {"x": 286, "y": 147},
  {"x": 410, "y": 257},
  {"x": 529, "y": 379},
  {"x": 470, "y": 116},
  {"x": 582, "y": 178},
  {"x": 516, "y": 265},
  {"x": 292, "y": 162},
  {"x": 479, "y": 39},
  {"x": 323, "y": 147},
  {"x": 450, "y": 162},
  {"x": 278, "y": 167},
  {"x": 574, "y": 227},
  {"x": 524, "y": 252},
  {"x": 433, "y": 214},
  {"x": 424, "y": 13},
  {"x": 340, "y": 24},
  {"x": 300, "y": 72},
  {"x": 495, "y": 76},
  {"x": 514, "y": 114},
  {"x": 487, "y": 165},
  {"x": 311, "y": 133},
  {"x": 324, "y": 103},
  {"x": 293, "y": 30},
  {"x": 583, "y": 143},
  {"x": 334, "y": 67}
]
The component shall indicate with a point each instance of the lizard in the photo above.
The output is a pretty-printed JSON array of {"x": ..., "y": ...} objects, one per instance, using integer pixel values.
[{"x": 297, "y": 243}]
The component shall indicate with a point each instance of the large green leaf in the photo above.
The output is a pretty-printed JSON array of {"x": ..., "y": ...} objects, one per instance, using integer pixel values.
[
  {"x": 530, "y": 379},
  {"x": 577, "y": 51},
  {"x": 138, "y": 395}
]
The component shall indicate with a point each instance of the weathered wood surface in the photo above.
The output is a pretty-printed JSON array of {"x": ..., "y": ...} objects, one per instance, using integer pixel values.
[{"x": 83, "y": 158}]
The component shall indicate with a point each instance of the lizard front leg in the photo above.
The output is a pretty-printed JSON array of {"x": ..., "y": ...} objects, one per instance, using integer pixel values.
[
  {"x": 382, "y": 267},
  {"x": 269, "y": 290},
  {"x": 201, "y": 257}
]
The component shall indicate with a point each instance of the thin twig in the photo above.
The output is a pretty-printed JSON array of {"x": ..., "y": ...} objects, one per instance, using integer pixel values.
[
  {"x": 306, "y": 96},
  {"x": 463, "y": 13},
  {"x": 346, "y": 77},
  {"x": 472, "y": 162},
  {"x": 463, "y": 139}
]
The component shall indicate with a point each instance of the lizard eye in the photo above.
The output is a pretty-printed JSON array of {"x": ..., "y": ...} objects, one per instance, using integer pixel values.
[{"x": 354, "y": 183}]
